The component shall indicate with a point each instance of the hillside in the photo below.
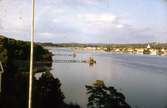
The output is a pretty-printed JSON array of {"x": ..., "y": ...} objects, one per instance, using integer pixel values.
[{"x": 11, "y": 49}]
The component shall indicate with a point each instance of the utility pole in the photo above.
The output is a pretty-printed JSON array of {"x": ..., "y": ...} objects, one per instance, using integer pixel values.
[{"x": 31, "y": 55}]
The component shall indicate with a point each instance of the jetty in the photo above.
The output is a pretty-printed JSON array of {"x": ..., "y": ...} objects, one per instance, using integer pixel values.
[
  {"x": 89, "y": 61},
  {"x": 70, "y": 61}
]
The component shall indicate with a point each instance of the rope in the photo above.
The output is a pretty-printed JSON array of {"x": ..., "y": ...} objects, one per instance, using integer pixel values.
[{"x": 31, "y": 54}]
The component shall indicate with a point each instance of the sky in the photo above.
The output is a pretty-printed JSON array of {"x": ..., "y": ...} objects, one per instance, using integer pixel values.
[{"x": 86, "y": 21}]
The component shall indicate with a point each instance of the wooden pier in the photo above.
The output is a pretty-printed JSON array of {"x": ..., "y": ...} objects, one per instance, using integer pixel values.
[{"x": 70, "y": 61}]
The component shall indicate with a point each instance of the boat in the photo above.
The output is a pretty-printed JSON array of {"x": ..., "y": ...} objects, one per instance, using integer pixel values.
[{"x": 91, "y": 60}]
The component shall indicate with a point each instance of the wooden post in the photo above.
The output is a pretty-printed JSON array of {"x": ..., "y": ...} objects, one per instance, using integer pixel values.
[{"x": 1, "y": 72}]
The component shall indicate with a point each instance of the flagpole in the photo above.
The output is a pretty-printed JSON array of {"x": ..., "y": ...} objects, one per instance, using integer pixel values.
[{"x": 31, "y": 55}]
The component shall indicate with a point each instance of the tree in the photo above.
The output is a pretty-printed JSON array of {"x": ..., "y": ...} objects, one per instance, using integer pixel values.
[
  {"x": 48, "y": 92},
  {"x": 101, "y": 96},
  {"x": 146, "y": 51}
]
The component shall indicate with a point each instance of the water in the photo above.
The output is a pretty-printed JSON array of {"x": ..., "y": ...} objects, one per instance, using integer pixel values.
[{"x": 142, "y": 79}]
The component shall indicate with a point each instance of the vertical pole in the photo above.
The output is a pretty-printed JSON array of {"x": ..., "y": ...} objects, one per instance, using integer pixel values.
[
  {"x": 1, "y": 72},
  {"x": 31, "y": 55}
]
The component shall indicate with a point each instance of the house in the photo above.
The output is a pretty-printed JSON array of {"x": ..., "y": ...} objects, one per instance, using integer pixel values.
[
  {"x": 139, "y": 51},
  {"x": 130, "y": 50},
  {"x": 117, "y": 50},
  {"x": 153, "y": 52},
  {"x": 164, "y": 52}
]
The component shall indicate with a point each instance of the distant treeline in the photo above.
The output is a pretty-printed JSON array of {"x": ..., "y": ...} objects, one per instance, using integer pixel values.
[{"x": 138, "y": 45}]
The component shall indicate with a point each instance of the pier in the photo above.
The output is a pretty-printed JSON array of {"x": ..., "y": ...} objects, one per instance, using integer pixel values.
[{"x": 70, "y": 61}]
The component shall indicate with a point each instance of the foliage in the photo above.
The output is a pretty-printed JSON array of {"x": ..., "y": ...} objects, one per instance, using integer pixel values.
[
  {"x": 146, "y": 51},
  {"x": 48, "y": 91},
  {"x": 16, "y": 53},
  {"x": 101, "y": 96},
  {"x": 20, "y": 50}
]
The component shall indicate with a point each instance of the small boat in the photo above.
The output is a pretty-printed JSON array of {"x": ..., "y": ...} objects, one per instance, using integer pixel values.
[{"x": 91, "y": 60}]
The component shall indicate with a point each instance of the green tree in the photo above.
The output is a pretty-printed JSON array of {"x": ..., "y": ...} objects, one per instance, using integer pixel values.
[
  {"x": 101, "y": 96},
  {"x": 48, "y": 92},
  {"x": 146, "y": 51}
]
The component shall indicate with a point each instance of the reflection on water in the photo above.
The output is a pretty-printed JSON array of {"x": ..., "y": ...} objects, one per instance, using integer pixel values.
[{"x": 143, "y": 79}]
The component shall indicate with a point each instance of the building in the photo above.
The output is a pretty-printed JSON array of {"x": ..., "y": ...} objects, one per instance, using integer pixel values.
[
  {"x": 139, "y": 51},
  {"x": 164, "y": 52},
  {"x": 148, "y": 46},
  {"x": 153, "y": 52},
  {"x": 130, "y": 51},
  {"x": 117, "y": 50}
]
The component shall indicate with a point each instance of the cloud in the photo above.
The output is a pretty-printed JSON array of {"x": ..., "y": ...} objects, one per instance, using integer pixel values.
[
  {"x": 97, "y": 18},
  {"x": 119, "y": 26},
  {"x": 1, "y": 27},
  {"x": 93, "y": 2},
  {"x": 98, "y": 23},
  {"x": 77, "y": 21},
  {"x": 45, "y": 34},
  {"x": 15, "y": 16}
]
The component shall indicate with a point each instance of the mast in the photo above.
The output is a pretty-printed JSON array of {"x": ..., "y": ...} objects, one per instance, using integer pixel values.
[{"x": 31, "y": 55}]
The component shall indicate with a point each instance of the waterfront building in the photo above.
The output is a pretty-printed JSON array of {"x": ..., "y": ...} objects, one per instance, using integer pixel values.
[
  {"x": 139, "y": 51},
  {"x": 153, "y": 52},
  {"x": 130, "y": 51},
  {"x": 164, "y": 52},
  {"x": 117, "y": 50},
  {"x": 148, "y": 46},
  {"x": 90, "y": 48}
]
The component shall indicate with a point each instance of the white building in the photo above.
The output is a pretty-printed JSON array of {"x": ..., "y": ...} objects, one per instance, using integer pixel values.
[
  {"x": 148, "y": 46},
  {"x": 153, "y": 52},
  {"x": 140, "y": 51}
]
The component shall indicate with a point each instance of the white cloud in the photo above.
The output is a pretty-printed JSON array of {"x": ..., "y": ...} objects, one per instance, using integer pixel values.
[
  {"x": 15, "y": 16},
  {"x": 45, "y": 34},
  {"x": 72, "y": 19},
  {"x": 91, "y": 2},
  {"x": 119, "y": 26},
  {"x": 97, "y": 18},
  {"x": 99, "y": 23}
]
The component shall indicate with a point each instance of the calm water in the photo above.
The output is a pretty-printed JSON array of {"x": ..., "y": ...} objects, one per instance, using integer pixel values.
[{"x": 143, "y": 79}]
